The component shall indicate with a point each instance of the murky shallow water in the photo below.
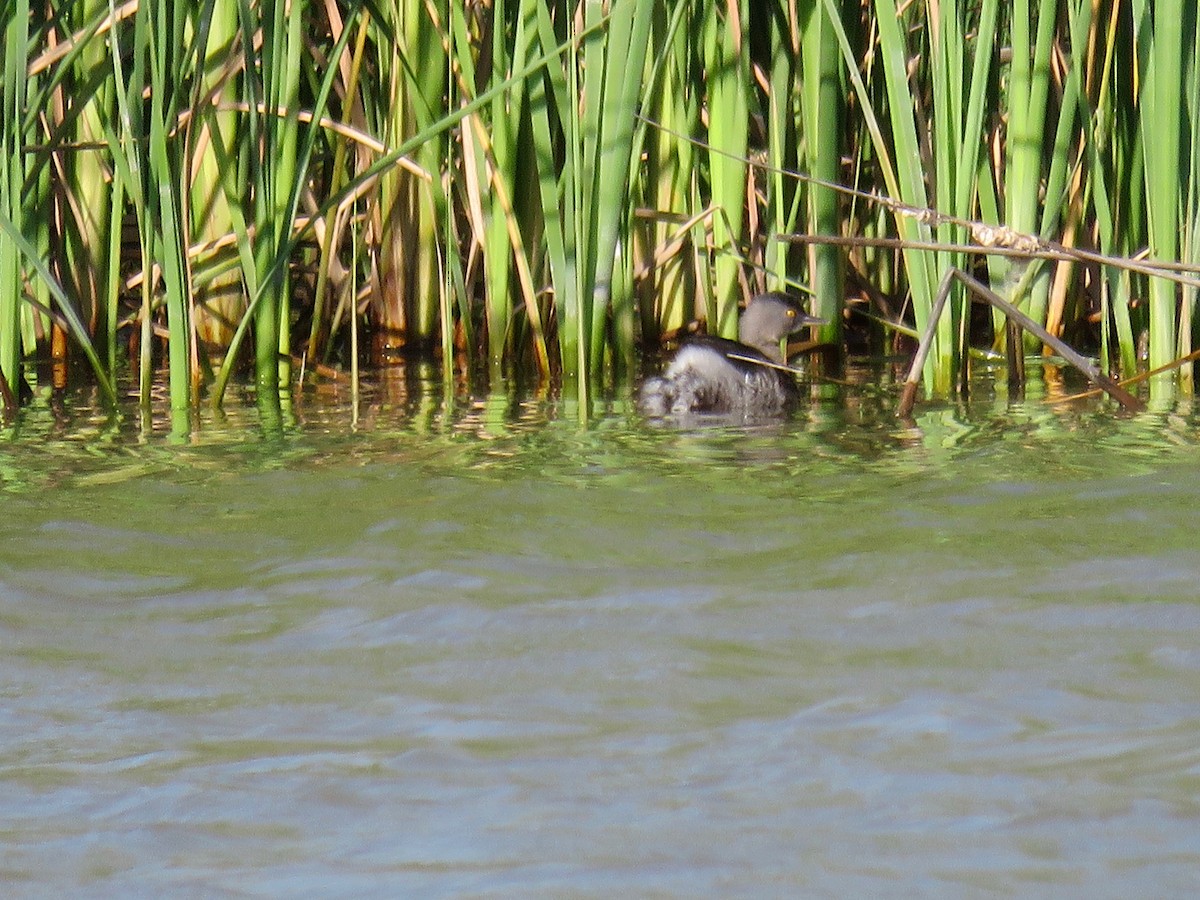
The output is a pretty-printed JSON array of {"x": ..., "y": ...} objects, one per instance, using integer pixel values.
[{"x": 492, "y": 652}]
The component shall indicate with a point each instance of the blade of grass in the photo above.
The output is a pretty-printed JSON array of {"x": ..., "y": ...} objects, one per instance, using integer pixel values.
[
  {"x": 726, "y": 50},
  {"x": 1161, "y": 127},
  {"x": 624, "y": 69},
  {"x": 164, "y": 33},
  {"x": 12, "y": 151},
  {"x": 21, "y": 245},
  {"x": 823, "y": 103},
  {"x": 910, "y": 180}
]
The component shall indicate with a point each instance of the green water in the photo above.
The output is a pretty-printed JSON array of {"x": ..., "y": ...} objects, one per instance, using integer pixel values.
[{"x": 481, "y": 649}]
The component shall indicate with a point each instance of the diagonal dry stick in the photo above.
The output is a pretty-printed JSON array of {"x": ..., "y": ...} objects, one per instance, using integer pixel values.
[{"x": 909, "y": 396}]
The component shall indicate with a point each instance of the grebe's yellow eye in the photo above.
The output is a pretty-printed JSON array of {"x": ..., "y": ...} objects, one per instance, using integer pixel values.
[{"x": 791, "y": 313}]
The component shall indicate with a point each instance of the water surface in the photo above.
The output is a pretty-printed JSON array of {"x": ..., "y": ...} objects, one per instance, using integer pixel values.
[{"x": 484, "y": 649}]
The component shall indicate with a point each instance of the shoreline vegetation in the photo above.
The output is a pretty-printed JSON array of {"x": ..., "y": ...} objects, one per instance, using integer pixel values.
[{"x": 290, "y": 189}]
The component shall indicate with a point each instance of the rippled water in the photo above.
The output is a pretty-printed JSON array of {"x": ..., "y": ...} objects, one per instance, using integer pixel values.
[{"x": 485, "y": 650}]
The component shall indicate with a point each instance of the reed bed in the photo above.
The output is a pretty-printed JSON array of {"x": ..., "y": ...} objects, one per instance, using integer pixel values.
[{"x": 287, "y": 188}]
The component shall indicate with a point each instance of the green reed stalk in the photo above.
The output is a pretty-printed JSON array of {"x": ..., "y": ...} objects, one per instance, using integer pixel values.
[
  {"x": 117, "y": 204},
  {"x": 428, "y": 70},
  {"x": 1190, "y": 233},
  {"x": 1108, "y": 116},
  {"x": 500, "y": 160},
  {"x": 1161, "y": 120},
  {"x": 499, "y": 157},
  {"x": 61, "y": 95},
  {"x": 164, "y": 42},
  {"x": 544, "y": 89},
  {"x": 959, "y": 84},
  {"x": 727, "y": 64},
  {"x": 319, "y": 329},
  {"x": 265, "y": 263},
  {"x": 584, "y": 197},
  {"x": 332, "y": 199},
  {"x": 586, "y": 137},
  {"x": 785, "y": 194},
  {"x": 275, "y": 172},
  {"x": 205, "y": 144},
  {"x": 555, "y": 126},
  {"x": 521, "y": 207},
  {"x": 624, "y": 67},
  {"x": 88, "y": 183},
  {"x": 1062, "y": 157},
  {"x": 823, "y": 103},
  {"x": 12, "y": 213},
  {"x": 410, "y": 95},
  {"x": 24, "y": 225},
  {"x": 666, "y": 184},
  {"x": 956, "y": 131},
  {"x": 1026, "y": 113},
  {"x": 946, "y": 77},
  {"x": 213, "y": 164},
  {"x": 577, "y": 296},
  {"x": 910, "y": 181},
  {"x": 127, "y": 151},
  {"x": 39, "y": 198},
  {"x": 498, "y": 254},
  {"x": 66, "y": 309}
]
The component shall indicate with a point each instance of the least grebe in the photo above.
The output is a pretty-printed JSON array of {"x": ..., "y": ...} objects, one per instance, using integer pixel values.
[{"x": 712, "y": 374}]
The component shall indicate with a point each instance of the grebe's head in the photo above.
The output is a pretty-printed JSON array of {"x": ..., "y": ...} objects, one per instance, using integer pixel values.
[{"x": 768, "y": 319}]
